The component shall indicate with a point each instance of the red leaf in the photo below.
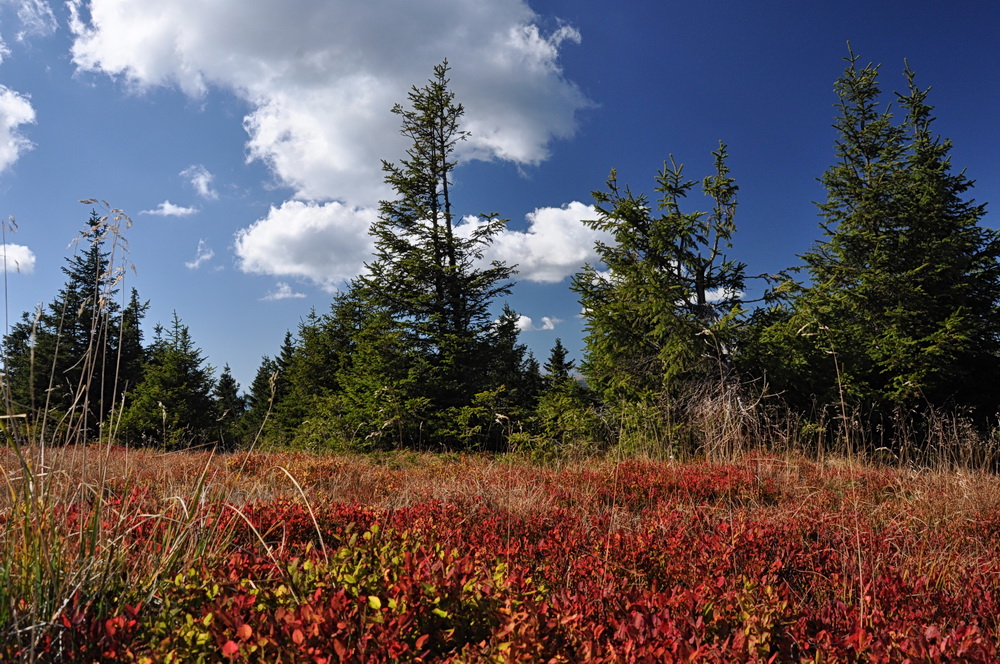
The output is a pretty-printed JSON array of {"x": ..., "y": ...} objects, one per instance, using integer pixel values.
[{"x": 230, "y": 649}]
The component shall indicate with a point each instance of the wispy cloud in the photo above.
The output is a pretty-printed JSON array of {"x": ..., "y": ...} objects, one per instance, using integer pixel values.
[
  {"x": 37, "y": 19},
  {"x": 168, "y": 209},
  {"x": 202, "y": 180},
  {"x": 282, "y": 291},
  {"x": 203, "y": 255}
]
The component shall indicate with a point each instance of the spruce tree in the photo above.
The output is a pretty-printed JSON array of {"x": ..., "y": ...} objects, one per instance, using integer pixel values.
[
  {"x": 173, "y": 406},
  {"x": 288, "y": 409},
  {"x": 69, "y": 363},
  {"x": 230, "y": 406},
  {"x": 514, "y": 369},
  {"x": 557, "y": 367},
  {"x": 425, "y": 298},
  {"x": 901, "y": 308},
  {"x": 661, "y": 308},
  {"x": 259, "y": 401}
]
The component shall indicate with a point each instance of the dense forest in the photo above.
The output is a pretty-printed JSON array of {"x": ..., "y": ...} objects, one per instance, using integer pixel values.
[{"x": 884, "y": 334}]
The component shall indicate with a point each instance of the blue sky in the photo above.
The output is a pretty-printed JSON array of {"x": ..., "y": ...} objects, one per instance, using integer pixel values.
[{"x": 244, "y": 139}]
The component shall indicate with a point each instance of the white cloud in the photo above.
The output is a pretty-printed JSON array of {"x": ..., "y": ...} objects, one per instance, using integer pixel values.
[
  {"x": 168, "y": 209},
  {"x": 325, "y": 243},
  {"x": 321, "y": 76},
  {"x": 555, "y": 246},
  {"x": 17, "y": 258},
  {"x": 15, "y": 110},
  {"x": 527, "y": 324},
  {"x": 282, "y": 291},
  {"x": 202, "y": 181},
  {"x": 203, "y": 254},
  {"x": 329, "y": 243},
  {"x": 36, "y": 18},
  {"x": 719, "y": 294}
]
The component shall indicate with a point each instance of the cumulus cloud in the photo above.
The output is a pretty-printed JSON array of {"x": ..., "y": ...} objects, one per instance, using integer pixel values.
[
  {"x": 555, "y": 246},
  {"x": 168, "y": 209},
  {"x": 328, "y": 243},
  {"x": 202, "y": 255},
  {"x": 17, "y": 258},
  {"x": 324, "y": 243},
  {"x": 282, "y": 291},
  {"x": 527, "y": 324},
  {"x": 202, "y": 181},
  {"x": 15, "y": 110},
  {"x": 320, "y": 77}
]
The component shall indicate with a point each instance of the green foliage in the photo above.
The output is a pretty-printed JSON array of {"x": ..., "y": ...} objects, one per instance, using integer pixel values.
[
  {"x": 423, "y": 335},
  {"x": 173, "y": 405},
  {"x": 662, "y": 310},
  {"x": 900, "y": 311},
  {"x": 288, "y": 408},
  {"x": 569, "y": 418},
  {"x": 259, "y": 401},
  {"x": 230, "y": 406},
  {"x": 663, "y": 307},
  {"x": 69, "y": 364},
  {"x": 558, "y": 368}
]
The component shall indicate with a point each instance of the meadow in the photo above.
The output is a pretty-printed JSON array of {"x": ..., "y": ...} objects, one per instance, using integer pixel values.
[{"x": 110, "y": 554}]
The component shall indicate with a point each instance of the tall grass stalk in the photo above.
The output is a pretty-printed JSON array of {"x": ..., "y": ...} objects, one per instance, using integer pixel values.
[{"x": 67, "y": 521}]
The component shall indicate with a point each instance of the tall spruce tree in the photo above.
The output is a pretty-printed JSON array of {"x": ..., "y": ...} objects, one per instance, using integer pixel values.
[
  {"x": 69, "y": 364},
  {"x": 426, "y": 300},
  {"x": 901, "y": 308},
  {"x": 661, "y": 310}
]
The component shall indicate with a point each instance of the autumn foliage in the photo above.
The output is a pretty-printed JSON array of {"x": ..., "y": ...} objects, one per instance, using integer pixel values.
[{"x": 298, "y": 558}]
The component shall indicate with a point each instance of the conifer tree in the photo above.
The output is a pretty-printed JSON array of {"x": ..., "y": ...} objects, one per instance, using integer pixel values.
[
  {"x": 425, "y": 299},
  {"x": 557, "y": 367},
  {"x": 661, "y": 310},
  {"x": 259, "y": 401},
  {"x": 514, "y": 368},
  {"x": 288, "y": 409},
  {"x": 230, "y": 406},
  {"x": 173, "y": 405},
  {"x": 74, "y": 359},
  {"x": 901, "y": 307}
]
